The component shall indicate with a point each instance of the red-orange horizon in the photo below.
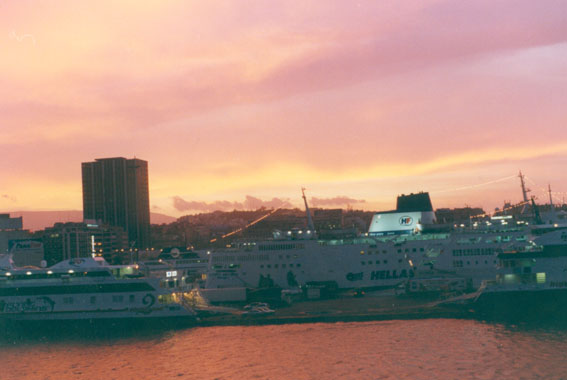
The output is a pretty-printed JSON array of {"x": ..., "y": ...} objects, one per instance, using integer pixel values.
[{"x": 363, "y": 100}]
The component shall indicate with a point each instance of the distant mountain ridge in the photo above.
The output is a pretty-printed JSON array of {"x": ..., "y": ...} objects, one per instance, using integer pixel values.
[{"x": 38, "y": 220}]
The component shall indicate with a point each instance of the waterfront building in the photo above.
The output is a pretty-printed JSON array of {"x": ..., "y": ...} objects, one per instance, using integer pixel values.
[
  {"x": 72, "y": 240},
  {"x": 115, "y": 191},
  {"x": 11, "y": 229}
]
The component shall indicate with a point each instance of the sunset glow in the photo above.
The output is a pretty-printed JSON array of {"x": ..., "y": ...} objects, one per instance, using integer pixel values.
[{"x": 362, "y": 100}]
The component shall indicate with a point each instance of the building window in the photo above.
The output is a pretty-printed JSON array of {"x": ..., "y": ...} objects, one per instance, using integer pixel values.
[
  {"x": 93, "y": 299},
  {"x": 132, "y": 298},
  {"x": 117, "y": 298}
]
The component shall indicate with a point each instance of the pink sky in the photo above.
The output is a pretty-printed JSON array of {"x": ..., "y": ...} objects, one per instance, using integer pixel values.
[{"x": 232, "y": 102}]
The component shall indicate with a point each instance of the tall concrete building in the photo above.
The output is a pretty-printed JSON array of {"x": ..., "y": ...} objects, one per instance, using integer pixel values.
[{"x": 115, "y": 192}]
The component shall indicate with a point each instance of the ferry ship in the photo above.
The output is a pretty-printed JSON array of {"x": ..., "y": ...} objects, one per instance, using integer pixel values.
[
  {"x": 397, "y": 248},
  {"x": 84, "y": 289}
]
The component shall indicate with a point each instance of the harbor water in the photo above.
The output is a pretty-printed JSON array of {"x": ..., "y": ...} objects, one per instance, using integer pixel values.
[{"x": 414, "y": 349}]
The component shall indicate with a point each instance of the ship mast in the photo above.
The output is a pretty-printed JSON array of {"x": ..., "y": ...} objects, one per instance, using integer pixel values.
[
  {"x": 525, "y": 191},
  {"x": 551, "y": 208},
  {"x": 310, "y": 224}
]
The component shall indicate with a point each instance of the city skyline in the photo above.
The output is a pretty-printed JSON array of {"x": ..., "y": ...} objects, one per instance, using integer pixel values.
[{"x": 248, "y": 103}]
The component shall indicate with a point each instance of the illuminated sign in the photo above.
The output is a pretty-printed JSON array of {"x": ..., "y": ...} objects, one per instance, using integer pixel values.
[
  {"x": 173, "y": 273},
  {"x": 406, "y": 220}
]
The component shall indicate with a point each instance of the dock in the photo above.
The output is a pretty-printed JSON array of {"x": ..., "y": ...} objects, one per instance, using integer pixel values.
[{"x": 377, "y": 307}]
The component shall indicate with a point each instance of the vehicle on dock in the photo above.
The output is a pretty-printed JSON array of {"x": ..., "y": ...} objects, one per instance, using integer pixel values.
[{"x": 258, "y": 311}]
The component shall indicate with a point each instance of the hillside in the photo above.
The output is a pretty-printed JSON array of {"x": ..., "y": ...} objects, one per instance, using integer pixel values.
[{"x": 38, "y": 220}]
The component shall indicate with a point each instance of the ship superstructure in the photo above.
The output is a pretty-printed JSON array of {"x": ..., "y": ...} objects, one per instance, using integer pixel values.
[{"x": 394, "y": 250}]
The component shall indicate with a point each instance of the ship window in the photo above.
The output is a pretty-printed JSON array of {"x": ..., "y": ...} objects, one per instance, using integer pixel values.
[
  {"x": 384, "y": 251},
  {"x": 362, "y": 262},
  {"x": 291, "y": 265},
  {"x": 283, "y": 265},
  {"x": 276, "y": 265},
  {"x": 370, "y": 262},
  {"x": 269, "y": 266},
  {"x": 262, "y": 266},
  {"x": 298, "y": 265},
  {"x": 414, "y": 250},
  {"x": 421, "y": 250},
  {"x": 486, "y": 261},
  {"x": 399, "y": 260},
  {"x": 93, "y": 299},
  {"x": 132, "y": 298},
  {"x": 377, "y": 262},
  {"x": 399, "y": 251},
  {"x": 385, "y": 261}
]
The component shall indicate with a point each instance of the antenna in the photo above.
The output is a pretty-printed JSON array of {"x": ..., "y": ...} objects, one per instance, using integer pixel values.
[
  {"x": 310, "y": 224},
  {"x": 525, "y": 191},
  {"x": 551, "y": 208}
]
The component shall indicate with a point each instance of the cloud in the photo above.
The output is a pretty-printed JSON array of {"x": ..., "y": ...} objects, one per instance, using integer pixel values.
[
  {"x": 336, "y": 201},
  {"x": 9, "y": 197},
  {"x": 250, "y": 203},
  {"x": 20, "y": 38}
]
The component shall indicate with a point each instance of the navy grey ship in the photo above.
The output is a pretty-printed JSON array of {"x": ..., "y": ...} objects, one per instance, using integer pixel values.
[{"x": 529, "y": 285}]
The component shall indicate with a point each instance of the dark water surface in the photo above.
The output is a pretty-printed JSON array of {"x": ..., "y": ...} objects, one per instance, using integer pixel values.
[{"x": 420, "y": 349}]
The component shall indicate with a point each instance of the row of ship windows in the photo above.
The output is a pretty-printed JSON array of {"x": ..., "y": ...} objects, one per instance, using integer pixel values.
[
  {"x": 498, "y": 239},
  {"x": 473, "y": 252},
  {"x": 115, "y": 299},
  {"x": 406, "y": 250},
  {"x": 280, "y": 247},
  {"x": 413, "y": 250},
  {"x": 460, "y": 263},
  {"x": 377, "y": 262},
  {"x": 218, "y": 259},
  {"x": 283, "y": 266}
]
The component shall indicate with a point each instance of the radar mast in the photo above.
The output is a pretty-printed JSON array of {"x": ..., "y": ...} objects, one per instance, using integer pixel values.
[{"x": 310, "y": 224}]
